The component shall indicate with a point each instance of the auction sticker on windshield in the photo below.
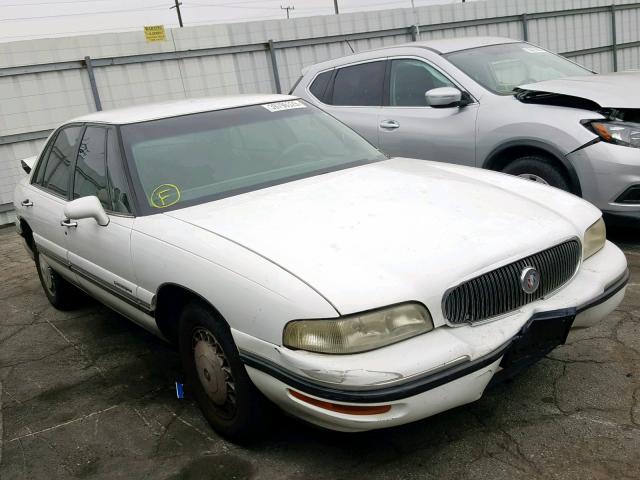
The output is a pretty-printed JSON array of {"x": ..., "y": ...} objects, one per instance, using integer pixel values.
[{"x": 280, "y": 106}]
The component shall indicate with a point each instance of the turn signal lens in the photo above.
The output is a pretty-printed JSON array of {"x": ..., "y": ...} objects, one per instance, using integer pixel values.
[
  {"x": 594, "y": 239},
  {"x": 360, "y": 332},
  {"x": 339, "y": 408}
]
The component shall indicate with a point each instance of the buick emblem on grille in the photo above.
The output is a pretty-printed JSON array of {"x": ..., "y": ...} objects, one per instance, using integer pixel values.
[{"x": 529, "y": 280}]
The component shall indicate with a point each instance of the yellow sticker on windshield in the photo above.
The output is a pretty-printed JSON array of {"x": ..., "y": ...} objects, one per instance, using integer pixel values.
[{"x": 164, "y": 196}]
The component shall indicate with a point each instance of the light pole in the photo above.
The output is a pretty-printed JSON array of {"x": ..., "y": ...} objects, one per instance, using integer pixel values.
[
  {"x": 287, "y": 9},
  {"x": 177, "y": 7}
]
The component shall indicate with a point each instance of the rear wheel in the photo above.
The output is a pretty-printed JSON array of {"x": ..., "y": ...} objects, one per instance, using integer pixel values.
[
  {"x": 230, "y": 402},
  {"x": 538, "y": 169},
  {"x": 61, "y": 294}
]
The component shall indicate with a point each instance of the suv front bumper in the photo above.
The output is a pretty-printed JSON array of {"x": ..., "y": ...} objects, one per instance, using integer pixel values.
[{"x": 606, "y": 172}]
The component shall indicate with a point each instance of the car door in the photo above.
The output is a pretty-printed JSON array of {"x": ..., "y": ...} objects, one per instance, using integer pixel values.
[
  {"x": 353, "y": 94},
  {"x": 101, "y": 255},
  {"x": 410, "y": 128},
  {"x": 47, "y": 195}
]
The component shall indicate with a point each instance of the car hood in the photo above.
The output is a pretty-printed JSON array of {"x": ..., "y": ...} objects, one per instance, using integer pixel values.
[
  {"x": 396, "y": 230},
  {"x": 616, "y": 90}
]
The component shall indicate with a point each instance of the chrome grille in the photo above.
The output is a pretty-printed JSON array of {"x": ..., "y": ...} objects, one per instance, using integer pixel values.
[{"x": 499, "y": 291}]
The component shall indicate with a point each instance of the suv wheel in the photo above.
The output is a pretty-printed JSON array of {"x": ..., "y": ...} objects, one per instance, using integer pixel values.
[
  {"x": 61, "y": 294},
  {"x": 230, "y": 402},
  {"x": 538, "y": 169}
]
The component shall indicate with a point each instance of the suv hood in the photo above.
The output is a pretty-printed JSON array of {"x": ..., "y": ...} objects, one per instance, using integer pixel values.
[
  {"x": 616, "y": 90},
  {"x": 396, "y": 230}
]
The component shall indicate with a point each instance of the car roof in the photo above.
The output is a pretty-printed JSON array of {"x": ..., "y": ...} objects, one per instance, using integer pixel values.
[
  {"x": 154, "y": 111},
  {"x": 440, "y": 47},
  {"x": 450, "y": 45}
]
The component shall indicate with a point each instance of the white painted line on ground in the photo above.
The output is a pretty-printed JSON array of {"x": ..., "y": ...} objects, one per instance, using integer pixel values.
[
  {"x": 89, "y": 415},
  {"x": 1, "y": 430}
]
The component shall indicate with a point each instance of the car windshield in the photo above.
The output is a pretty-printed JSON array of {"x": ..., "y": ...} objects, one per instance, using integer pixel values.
[
  {"x": 502, "y": 68},
  {"x": 182, "y": 161}
]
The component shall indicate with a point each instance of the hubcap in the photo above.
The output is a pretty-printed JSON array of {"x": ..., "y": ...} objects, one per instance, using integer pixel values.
[
  {"x": 47, "y": 274},
  {"x": 213, "y": 369},
  {"x": 533, "y": 178}
]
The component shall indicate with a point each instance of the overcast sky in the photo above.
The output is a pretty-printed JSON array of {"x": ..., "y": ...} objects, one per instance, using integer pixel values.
[{"x": 24, "y": 19}]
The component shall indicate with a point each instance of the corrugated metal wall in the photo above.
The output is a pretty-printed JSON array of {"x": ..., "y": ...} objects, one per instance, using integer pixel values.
[{"x": 33, "y": 103}]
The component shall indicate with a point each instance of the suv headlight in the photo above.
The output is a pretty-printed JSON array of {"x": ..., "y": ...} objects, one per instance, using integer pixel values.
[
  {"x": 619, "y": 133},
  {"x": 594, "y": 239},
  {"x": 360, "y": 332}
]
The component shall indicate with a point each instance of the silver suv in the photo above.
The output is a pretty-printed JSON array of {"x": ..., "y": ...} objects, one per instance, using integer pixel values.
[{"x": 494, "y": 103}]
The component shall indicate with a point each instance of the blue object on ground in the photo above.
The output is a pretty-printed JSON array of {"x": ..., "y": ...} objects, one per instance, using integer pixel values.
[{"x": 179, "y": 390}]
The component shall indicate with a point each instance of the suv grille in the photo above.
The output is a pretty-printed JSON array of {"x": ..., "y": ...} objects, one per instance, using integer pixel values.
[{"x": 499, "y": 291}]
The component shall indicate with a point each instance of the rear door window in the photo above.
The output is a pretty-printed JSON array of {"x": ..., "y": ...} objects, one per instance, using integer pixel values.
[
  {"x": 55, "y": 177},
  {"x": 359, "y": 85}
]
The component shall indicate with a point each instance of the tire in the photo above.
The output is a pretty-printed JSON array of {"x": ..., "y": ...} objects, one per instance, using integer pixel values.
[
  {"x": 61, "y": 293},
  {"x": 229, "y": 401},
  {"x": 538, "y": 168}
]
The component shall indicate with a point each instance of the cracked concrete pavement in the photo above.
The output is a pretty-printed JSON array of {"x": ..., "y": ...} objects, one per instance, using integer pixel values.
[{"x": 87, "y": 394}]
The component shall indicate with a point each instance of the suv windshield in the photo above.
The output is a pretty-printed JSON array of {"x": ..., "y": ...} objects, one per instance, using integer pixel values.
[
  {"x": 502, "y": 68},
  {"x": 181, "y": 161}
]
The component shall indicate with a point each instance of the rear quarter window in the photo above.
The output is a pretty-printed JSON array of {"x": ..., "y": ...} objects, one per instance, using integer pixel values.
[{"x": 319, "y": 85}]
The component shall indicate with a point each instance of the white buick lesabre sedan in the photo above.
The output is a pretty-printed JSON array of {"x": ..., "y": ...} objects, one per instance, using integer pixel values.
[{"x": 289, "y": 259}]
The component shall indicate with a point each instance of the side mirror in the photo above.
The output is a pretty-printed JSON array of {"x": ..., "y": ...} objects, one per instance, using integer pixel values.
[
  {"x": 27, "y": 163},
  {"x": 86, "y": 207},
  {"x": 447, "y": 97}
]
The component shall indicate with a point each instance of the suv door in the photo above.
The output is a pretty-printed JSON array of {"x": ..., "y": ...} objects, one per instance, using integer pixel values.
[
  {"x": 101, "y": 255},
  {"x": 353, "y": 94},
  {"x": 411, "y": 128},
  {"x": 46, "y": 197}
]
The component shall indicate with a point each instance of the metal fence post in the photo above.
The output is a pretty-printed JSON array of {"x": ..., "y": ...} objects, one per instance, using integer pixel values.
[
  {"x": 415, "y": 33},
  {"x": 274, "y": 66},
  {"x": 525, "y": 27},
  {"x": 614, "y": 37},
  {"x": 92, "y": 81}
]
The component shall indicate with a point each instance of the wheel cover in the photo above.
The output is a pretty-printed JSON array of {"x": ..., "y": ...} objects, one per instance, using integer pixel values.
[
  {"x": 534, "y": 178},
  {"x": 47, "y": 275},
  {"x": 213, "y": 369}
]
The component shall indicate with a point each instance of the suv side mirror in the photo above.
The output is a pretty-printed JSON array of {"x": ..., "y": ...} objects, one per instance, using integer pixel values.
[
  {"x": 447, "y": 97},
  {"x": 86, "y": 207}
]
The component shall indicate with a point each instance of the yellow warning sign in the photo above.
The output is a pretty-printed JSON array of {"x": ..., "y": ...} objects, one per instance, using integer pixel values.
[{"x": 154, "y": 33}]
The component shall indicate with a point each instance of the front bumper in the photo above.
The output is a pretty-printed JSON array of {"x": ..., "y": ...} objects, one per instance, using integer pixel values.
[
  {"x": 605, "y": 172},
  {"x": 459, "y": 365}
]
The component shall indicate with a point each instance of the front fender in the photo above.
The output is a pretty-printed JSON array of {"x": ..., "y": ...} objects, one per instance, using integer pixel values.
[{"x": 253, "y": 295}]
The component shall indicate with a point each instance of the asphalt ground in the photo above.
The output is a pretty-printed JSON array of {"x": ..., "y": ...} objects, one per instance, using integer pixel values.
[{"x": 87, "y": 394}]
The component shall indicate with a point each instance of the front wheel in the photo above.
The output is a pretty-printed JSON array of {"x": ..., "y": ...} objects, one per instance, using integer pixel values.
[
  {"x": 230, "y": 402},
  {"x": 538, "y": 169}
]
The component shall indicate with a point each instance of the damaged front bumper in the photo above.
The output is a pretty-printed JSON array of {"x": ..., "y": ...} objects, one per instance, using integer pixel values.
[
  {"x": 609, "y": 175},
  {"x": 437, "y": 371}
]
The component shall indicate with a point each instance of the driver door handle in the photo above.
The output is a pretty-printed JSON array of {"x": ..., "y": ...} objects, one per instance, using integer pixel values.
[
  {"x": 389, "y": 124},
  {"x": 26, "y": 203},
  {"x": 68, "y": 223}
]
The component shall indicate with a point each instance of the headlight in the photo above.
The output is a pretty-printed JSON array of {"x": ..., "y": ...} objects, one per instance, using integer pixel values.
[
  {"x": 594, "y": 239},
  {"x": 619, "y": 133},
  {"x": 360, "y": 332}
]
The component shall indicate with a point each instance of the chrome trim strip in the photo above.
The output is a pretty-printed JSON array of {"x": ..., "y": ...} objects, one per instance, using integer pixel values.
[{"x": 117, "y": 290}]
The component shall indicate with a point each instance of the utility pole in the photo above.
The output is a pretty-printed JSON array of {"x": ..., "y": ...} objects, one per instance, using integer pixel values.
[
  {"x": 335, "y": 6},
  {"x": 287, "y": 9},
  {"x": 177, "y": 7}
]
